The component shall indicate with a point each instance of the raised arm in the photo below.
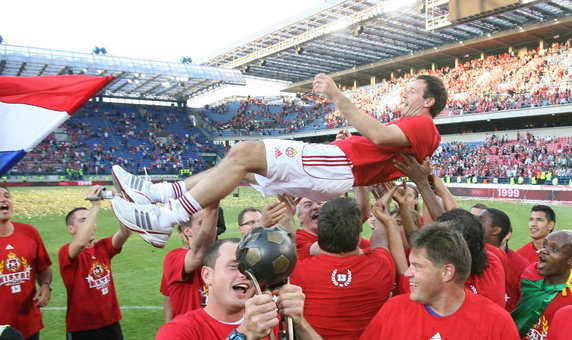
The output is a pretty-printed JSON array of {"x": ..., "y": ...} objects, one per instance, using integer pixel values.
[
  {"x": 281, "y": 213},
  {"x": 85, "y": 234},
  {"x": 366, "y": 125},
  {"x": 449, "y": 202},
  {"x": 364, "y": 204},
  {"x": 400, "y": 196},
  {"x": 419, "y": 174},
  {"x": 394, "y": 243},
  {"x": 205, "y": 237},
  {"x": 120, "y": 237}
]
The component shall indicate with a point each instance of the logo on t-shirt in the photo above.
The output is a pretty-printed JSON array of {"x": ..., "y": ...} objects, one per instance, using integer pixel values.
[
  {"x": 277, "y": 153},
  {"x": 291, "y": 152},
  {"x": 539, "y": 331},
  {"x": 14, "y": 271},
  {"x": 99, "y": 277},
  {"x": 436, "y": 337},
  {"x": 341, "y": 279}
]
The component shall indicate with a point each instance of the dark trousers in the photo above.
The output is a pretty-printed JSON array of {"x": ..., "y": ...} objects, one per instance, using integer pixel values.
[{"x": 111, "y": 332}]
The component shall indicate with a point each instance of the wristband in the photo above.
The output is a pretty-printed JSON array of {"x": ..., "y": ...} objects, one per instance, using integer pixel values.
[{"x": 47, "y": 284}]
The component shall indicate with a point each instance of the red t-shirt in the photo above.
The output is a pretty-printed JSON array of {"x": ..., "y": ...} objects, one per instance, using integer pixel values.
[
  {"x": 491, "y": 282},
  {"x": 22, "y": 256},
  {"x": 516, "y": 265},
  {"x": 344, "y": 293},
  {"x": 541, "y": 328},
  {"x": 372, "y": 164},
  {"x": 304, "y": 241},
  {"x": 186, "y": 291},
  {"x": 477, "y": 318},
  {"x": 561, "y": 327},
  {"x": 92, "y": 302},
  {"x": 529, "y": 252},
  {"x": 194, "y": 325}
]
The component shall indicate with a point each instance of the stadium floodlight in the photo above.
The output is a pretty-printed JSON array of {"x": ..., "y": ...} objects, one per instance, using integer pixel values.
[{"x": 99, "y": 50}]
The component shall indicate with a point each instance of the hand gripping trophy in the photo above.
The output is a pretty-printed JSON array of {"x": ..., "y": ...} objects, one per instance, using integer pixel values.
[{"x": 267, "y": 256}]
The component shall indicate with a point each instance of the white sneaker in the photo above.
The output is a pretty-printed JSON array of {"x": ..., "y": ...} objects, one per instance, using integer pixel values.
[
  {"x": 134, "y": 189},
  {"x": 156, "y": 240},
  {"x": 143, "y": 219}
]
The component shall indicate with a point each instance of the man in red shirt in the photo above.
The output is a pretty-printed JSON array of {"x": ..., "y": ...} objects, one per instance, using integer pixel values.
[
  {"x": 23, "y": 262},
  {"x": 540, "y": 223},
  {"x": 497, "y": 226},
  {"x": 85, "y": 265},
  {"x": 439, "y": 306},
  {"x": 487, "y": 272},
  {"x": 182, "y": 285},
  {"x": 318, "y": 172},
  {"x": 546, "y": 287},
  {"x": 232, "y": 311},
  {"x": 344, "y": 283}
]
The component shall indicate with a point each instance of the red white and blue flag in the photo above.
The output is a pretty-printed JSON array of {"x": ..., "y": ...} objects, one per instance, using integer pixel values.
[{"x": 32, "y": 107}]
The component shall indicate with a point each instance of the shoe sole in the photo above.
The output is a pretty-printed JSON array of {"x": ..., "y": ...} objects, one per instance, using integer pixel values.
[
  {"x": 138, "y": 230},
  {"x": 118, "y": 185}
]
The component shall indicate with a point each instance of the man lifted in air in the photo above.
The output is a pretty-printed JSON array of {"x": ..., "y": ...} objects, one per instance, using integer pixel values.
[{"x": 274, "y": 166}]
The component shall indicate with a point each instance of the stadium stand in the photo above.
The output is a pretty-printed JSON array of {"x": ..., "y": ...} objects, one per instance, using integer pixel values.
[{"x": 164, "y": 139}]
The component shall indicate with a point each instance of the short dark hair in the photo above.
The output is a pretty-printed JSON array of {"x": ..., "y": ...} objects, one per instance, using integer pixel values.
[
  {"x": 435, "y": 89},
  {"x": 69, "y": 216},
  {"x": 244, "y": 211},
  {"x": 550, "y": 215},
  {"x": 212, "y": 252},
  {"x": 479, "y": 206},
  {"x": 500, "y": 219},
  {"x": 11, "y": 333},
  {"x": 183, "y": 225},
  {"x": 339, "y": 225},
  {"x": 5, "y": 187},
  {"x": 444, "y": 245},
  {"x": 473, "y": 233}
]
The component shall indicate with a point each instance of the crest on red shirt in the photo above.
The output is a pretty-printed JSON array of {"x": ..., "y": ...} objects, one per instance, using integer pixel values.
[{"x": 341, "y": 279}]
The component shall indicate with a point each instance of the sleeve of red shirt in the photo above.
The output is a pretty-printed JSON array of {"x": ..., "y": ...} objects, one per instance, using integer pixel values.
[{"x": 173, "y": 269}]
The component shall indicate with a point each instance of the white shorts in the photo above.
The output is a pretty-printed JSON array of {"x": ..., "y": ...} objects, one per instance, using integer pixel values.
[{"x": 315, "y": 171}]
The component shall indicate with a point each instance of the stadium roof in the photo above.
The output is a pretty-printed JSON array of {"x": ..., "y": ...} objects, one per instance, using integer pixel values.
[
  {"x": 358, "y": 39},
  {"x": 135, "y": 78}
]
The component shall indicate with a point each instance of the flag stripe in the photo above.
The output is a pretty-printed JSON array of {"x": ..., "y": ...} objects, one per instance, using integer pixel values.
[
  {"x": 9, "y": 158},
  {"x": 60, "y": 93},
  {"x": 24, "y": 126},
  {"x": 32, "y": 107}
]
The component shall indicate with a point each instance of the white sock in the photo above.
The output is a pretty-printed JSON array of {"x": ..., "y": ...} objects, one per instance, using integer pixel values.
[
  {"x": 178, "y": 211},
  {"x": 165, "y": 191}
]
